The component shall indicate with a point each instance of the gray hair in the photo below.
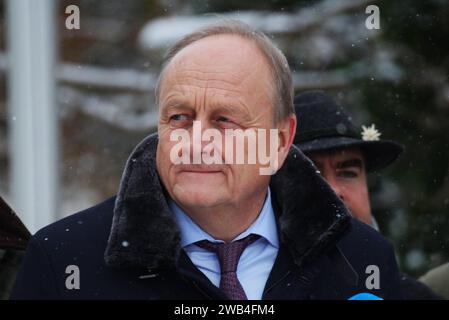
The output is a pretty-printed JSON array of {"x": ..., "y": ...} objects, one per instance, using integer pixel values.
[{"x": 282, "y": 77}]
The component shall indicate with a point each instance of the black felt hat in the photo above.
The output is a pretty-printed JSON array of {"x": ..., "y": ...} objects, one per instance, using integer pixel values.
[{"x": 324, "y": 125}]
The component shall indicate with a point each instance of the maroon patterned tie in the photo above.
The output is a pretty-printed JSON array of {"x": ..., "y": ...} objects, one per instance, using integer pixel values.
[{"x": 229, "y": 255}]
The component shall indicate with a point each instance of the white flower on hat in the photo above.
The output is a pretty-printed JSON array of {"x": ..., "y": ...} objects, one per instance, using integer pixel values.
[{"x": 370, "y": 133}]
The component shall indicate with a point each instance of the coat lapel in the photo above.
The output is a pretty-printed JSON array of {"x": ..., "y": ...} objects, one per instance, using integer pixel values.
[{"x": 191, "y": 273}]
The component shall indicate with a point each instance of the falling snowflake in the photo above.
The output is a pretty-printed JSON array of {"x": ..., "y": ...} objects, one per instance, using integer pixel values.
[{"x": 370, "y": 133}]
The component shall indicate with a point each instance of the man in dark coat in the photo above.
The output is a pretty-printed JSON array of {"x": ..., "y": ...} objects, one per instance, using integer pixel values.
[
  {"x": 344, "y": 155},
  {"x": 220, "y": 230},
  {"x": 13, "y": 241}
]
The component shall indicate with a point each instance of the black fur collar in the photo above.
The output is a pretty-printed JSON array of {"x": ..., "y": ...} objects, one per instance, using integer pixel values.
[{"x": 145, "y": 234}]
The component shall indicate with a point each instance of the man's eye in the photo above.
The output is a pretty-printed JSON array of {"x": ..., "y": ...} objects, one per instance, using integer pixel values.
[
  {"x": 347, "y": 174},
  {"x": 178, "y": 117},
  {"x": 226, "y": 123},
  {"x": 223, "y": 119},
  {"x": 179, "y": 120}
]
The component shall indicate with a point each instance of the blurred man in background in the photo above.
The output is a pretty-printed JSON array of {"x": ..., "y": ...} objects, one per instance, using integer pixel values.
[
  {"x": 14, "y": 237},
  {"x": 344, "y": 155}
]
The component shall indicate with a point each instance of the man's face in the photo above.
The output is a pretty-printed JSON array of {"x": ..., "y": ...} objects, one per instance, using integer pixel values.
[
  {"x": 225, "y": 83},
  {"x": 345, "y": 171}
]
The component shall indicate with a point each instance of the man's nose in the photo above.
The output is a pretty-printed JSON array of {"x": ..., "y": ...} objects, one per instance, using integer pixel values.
[
  {"x": 197, "y": 144},
  {"x": 199, "y": 128}
]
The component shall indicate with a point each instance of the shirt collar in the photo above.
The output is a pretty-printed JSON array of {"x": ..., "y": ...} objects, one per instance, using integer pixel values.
[{"x": 264, "y": 226}]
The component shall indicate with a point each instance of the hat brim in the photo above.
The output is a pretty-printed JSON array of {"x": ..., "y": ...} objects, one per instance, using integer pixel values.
[{"x": 378, "y": 154}]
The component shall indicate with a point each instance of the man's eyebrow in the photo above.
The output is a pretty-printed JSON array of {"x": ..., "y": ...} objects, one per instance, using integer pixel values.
[
  {"x": 175, "y": 106},
  {"x": 355, "y": 162},
  {"x": 232, "y": 109}
]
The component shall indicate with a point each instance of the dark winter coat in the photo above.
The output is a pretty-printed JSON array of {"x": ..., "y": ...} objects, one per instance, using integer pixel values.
[
  {"x": 128, "y": 247},
  {"x": 14, "y": 237}
]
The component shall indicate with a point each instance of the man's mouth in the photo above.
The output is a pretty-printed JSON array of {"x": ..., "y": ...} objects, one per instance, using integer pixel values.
[{"x": 201, "y": 169}]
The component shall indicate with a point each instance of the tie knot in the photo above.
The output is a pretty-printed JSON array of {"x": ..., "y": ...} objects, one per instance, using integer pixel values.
[{"x": 228, "y": 253}]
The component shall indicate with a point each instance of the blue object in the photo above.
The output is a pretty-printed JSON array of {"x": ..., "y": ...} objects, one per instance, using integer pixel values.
[{"x": 365, "y": 296}]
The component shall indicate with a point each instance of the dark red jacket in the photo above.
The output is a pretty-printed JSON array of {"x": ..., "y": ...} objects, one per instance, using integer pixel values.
[{"x": 14, "y": 238}]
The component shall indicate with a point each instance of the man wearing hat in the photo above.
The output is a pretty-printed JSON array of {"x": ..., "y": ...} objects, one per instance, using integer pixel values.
[
  {"x": 14, "y": 237},
  {"x": 344, "y": 155}
]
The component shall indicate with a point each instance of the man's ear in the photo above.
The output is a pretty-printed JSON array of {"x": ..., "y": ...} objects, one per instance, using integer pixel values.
[{"x": 286, "y": 134}]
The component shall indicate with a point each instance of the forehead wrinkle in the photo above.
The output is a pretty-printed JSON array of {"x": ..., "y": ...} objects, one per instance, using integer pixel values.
[
  {"x": 231, "y": 79},
  {"x": 184, "y": 62},
  {"x": 189, "y": 64},
  {"x": 255, "y": 121},
  {"x": 229, "y": 104},
  {"x": 208, "y": 86},
  {"x": 188, "y": 80},
  {"x": 218, "y": 96},
  {"x": 175, "y": 98},
  {"x": 242, "y": 73},
  {"x": 227, "y": 71},
  {"x": 238, "y": 105}
]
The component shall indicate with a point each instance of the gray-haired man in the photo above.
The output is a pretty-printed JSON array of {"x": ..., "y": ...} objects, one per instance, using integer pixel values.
[{"x": 200, "y": 230}]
